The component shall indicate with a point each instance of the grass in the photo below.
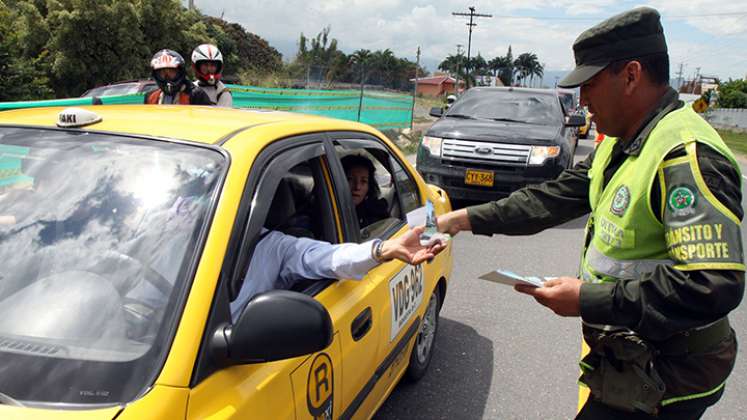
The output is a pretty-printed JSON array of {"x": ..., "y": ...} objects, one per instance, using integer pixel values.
[{"x": 737, "y": 142}]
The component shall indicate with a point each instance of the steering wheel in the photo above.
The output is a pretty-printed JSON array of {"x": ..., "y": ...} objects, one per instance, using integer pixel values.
[
  {"x": 134, "y": 266},
  {"x": 139, "y": 314}
]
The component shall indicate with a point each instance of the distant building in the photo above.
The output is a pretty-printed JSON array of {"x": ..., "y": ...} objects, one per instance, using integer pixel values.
[
  {"x": 436, "y": 86},
  {"x": 700, "y": 85}
]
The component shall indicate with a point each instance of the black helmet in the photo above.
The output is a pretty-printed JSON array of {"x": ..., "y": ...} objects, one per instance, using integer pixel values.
[{"x": 169, "y": 59}]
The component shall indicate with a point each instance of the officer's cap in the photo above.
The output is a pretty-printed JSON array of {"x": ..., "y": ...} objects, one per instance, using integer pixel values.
[{"x": 635, "y": 33}]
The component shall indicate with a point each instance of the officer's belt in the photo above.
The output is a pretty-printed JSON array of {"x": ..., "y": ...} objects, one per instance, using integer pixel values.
[{"x": 696, "y": 340}]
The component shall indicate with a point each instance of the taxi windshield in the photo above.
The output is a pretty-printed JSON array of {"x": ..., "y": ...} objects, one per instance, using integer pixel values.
[{"x": 98, "y": 239}]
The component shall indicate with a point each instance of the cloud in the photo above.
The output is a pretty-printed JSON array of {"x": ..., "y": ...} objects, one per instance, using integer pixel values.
[{"x": 402, "y": 25}]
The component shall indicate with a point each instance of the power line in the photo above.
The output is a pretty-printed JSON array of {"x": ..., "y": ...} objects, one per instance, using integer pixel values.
[
  {"x": 586, "y": 19},
  {"x": 471, "y": 15}
]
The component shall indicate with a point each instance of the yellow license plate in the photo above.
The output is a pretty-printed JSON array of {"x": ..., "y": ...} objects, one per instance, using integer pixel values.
[{"x": 475, "y": 177}]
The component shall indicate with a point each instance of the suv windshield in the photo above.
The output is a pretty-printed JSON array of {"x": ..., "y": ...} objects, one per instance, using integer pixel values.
[
  {"x": 505, "y": 105},
  {"x": 98, "y": 238}
]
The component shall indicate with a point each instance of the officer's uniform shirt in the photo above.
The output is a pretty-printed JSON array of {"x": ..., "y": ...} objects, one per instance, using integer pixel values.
[
  {"x": 280, "y": 260},
  {"x": 643, "y": 305}
]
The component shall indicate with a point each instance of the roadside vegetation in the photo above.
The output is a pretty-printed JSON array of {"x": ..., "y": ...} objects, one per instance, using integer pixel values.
[{"x": 736, "y": 141}]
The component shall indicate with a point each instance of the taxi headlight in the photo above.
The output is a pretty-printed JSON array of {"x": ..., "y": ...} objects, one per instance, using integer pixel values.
[
  {"x": 541, "y": 153},
  {"x": 433, "y": 145}
]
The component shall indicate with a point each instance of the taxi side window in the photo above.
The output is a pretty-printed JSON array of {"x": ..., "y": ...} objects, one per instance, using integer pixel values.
[
  {"x": 406, "y": 187},
  {"x": 296, "y": 208}
]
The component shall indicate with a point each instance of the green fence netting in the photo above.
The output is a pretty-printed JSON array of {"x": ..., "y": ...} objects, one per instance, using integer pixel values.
[{"x": 381, "y": 110}]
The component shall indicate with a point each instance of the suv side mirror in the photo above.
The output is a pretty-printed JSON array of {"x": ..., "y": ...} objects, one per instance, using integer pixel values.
[
  {"x": 276, "y": 325},
  {"x": 436, "y": 112},
  {"x": 575, "y": 121}
]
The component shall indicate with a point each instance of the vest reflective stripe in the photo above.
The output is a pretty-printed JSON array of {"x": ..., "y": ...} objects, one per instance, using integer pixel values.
[{"x": 598, "y": 264}]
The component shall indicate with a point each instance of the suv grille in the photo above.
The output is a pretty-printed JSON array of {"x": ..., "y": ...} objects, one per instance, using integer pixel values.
[{"x": 484, "y": 152}]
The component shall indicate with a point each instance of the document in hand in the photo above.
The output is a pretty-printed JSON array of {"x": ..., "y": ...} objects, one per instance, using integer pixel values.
[
  {"x": 426, "y": 216},
  {"x": 511, "y": 278}
]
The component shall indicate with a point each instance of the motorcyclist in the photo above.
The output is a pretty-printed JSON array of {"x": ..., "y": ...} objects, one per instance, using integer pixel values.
[
  {"x": 173, "y": 85},
  {"x": 207, "y": 63}
]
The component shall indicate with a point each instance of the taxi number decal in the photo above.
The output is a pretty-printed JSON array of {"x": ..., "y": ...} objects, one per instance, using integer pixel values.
[
  {"x": 320, "y": 387},
  {"x": 406, "y": 292}
]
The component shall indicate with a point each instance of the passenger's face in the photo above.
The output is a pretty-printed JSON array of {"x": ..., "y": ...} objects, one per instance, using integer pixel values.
[
  {"x": 208, "y": 68},
  {"x": 358, "y": 181},
  {"x": 167, "y": 74}
]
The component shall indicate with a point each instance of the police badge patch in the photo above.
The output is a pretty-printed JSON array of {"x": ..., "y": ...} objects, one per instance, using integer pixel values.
[
  {"x": 621, "y": 201},
  {"x": 681, "y": 201}
]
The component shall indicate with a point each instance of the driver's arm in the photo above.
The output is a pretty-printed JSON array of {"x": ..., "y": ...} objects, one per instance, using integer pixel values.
[{"x": 279, "y": 260}]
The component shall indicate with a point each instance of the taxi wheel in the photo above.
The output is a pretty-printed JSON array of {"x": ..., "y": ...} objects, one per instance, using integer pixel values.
[{"x": 425, "y": 341}]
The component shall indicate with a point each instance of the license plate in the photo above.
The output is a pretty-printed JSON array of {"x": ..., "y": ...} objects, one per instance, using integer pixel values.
[{"x": 475, "y": 177}]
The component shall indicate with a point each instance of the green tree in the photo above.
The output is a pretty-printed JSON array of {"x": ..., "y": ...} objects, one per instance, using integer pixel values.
[
  {"x": 95, "y": 42},
  {"x": 21, "y": 78},
  {"x": 733, "y": 94}
]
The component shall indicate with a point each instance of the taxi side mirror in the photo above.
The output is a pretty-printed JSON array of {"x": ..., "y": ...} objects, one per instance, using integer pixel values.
[
  {"x": 276, "y": 325},
  {"x": 436, "y": 112},
  {"x": 575, "y": 121}
]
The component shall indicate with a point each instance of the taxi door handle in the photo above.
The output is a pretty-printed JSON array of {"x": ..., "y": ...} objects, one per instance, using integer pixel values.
[{"x": 361, "y": 324}]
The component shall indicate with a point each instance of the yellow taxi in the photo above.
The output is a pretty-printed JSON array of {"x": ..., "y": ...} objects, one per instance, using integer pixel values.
[
  {"x": 126, "y": 233},
  {"x": 583, "y": 131}
]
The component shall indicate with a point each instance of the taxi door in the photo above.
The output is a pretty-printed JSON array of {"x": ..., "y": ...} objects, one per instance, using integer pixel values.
[
  {"x": 389, "y": 296},
  {"x": 302, "y": 387}
]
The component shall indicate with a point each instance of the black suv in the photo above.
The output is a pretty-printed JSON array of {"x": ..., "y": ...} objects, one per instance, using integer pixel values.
[{"x": 493, "y": 141}]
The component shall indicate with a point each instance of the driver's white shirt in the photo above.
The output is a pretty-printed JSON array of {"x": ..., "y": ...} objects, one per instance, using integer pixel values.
[{"x": 280, "y": 260}]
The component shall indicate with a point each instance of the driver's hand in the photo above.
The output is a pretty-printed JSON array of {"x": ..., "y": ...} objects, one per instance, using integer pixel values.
[{"x": 407, "y": 248}]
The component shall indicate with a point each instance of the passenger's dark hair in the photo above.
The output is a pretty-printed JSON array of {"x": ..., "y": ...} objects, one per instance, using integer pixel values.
[
  {"x": 655, "y": 65},
  {"x": 351, "y": 161}
]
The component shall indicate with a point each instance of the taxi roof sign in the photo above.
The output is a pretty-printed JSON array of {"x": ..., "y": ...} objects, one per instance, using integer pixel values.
[{"x": 76, "y": 117}]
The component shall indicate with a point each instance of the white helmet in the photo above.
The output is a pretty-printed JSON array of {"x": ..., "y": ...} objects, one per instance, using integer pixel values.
[
  {"x": 208, "y": 53},
  {"x": 451, "y": 99}
]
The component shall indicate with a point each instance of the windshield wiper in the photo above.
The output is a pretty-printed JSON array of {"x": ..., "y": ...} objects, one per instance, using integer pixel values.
[
  {"x": 463, "y": 116},
  {"x": 8, "y": 400},
  {"x": 509, "y": 120}
]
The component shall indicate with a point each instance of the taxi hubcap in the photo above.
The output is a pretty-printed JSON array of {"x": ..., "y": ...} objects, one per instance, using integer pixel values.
[{"x": 427, "y": 331}]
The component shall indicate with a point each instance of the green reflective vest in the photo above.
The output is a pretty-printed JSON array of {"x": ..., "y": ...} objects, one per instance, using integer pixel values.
[{"x": 628, "y": 239}]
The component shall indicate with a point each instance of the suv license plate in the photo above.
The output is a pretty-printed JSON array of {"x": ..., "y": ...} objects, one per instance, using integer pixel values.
[{"x": 475, "y": 177}]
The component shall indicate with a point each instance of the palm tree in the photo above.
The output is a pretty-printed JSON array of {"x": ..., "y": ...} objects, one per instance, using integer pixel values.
[
  {"x": 359, "y": 59},
  {"x": 527, "y": 65},
  {"x": 503, "y": 68}
]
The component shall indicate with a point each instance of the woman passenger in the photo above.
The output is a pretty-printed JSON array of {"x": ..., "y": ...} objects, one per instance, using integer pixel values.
[{"x": 369, "y": 207}]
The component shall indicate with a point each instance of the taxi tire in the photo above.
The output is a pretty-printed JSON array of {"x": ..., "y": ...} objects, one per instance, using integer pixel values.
[{"x": 419, "y": 365}]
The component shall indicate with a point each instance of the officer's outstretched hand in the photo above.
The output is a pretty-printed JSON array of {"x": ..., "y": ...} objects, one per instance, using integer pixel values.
[
  {"x": 407, "y": 248},
  {"x": 562, "y": 295},
  {"x": 453, "y": 222}
]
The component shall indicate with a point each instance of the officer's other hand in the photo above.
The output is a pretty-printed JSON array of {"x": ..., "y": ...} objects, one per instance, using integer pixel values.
[
  {"x": 407, "y": 248},
  {"x": 453, "y": 222},
  {"x": 560, "y": 294}
]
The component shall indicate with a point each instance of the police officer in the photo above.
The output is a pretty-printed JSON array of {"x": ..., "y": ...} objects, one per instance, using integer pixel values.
[{"x": 662, "y": 263}]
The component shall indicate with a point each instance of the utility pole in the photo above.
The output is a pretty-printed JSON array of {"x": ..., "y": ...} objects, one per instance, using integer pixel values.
[
  {"x": 415, "y": 89},
  {"x": 191, "y": 4},
  {"x": 472, "y": 15},
  {"x": 679, "y": 77},
  {"x": 459, "y": 66},
  {"x": 697, "y": 77}
]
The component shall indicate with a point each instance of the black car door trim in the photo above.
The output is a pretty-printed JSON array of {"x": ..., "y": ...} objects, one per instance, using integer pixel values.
[{"x": 388, "y": 361}]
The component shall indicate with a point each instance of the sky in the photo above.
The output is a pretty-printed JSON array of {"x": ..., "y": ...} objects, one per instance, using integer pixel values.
[{"x": 709, "y": 36}]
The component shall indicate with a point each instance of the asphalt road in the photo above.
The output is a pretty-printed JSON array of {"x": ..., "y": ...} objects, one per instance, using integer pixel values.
[{"x": 500, "y": 355}]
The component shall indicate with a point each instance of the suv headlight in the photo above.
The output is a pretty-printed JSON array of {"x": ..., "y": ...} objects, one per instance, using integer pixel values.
[
  {"x": 433, "y": 145},
  {"x": 541, "y": 153}
]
